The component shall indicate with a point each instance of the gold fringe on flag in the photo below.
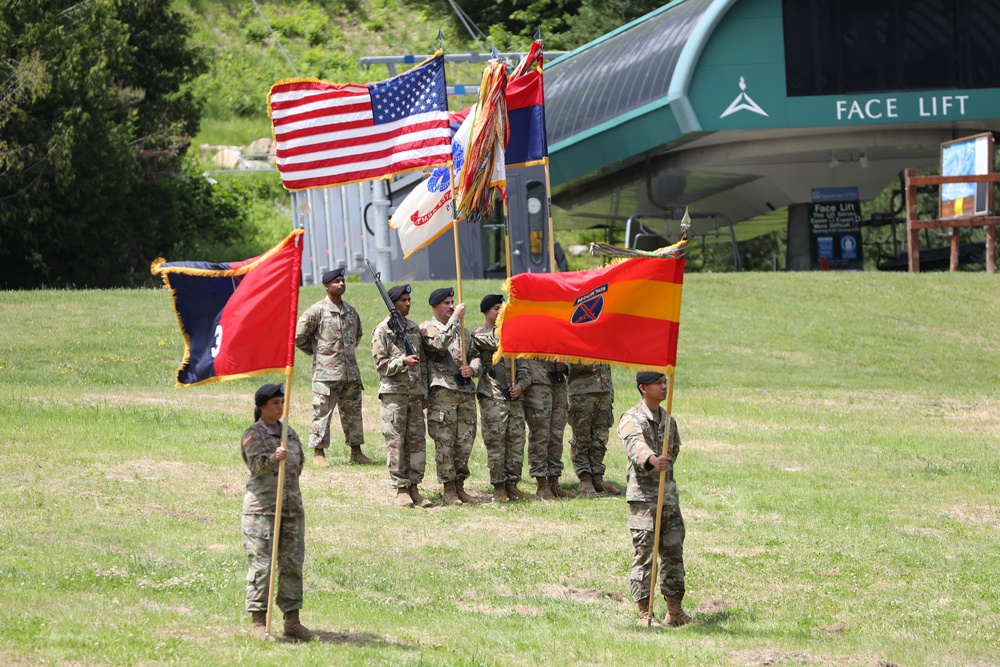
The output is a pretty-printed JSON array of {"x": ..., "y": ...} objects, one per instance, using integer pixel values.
[{"x": 490, "y": 132}]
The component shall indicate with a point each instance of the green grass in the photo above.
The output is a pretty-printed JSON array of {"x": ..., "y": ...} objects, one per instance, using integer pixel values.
[{"x": 839, "y": 479}]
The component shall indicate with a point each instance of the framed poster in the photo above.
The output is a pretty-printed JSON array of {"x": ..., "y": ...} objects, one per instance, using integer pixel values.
[{"x": 966, "y": 157}]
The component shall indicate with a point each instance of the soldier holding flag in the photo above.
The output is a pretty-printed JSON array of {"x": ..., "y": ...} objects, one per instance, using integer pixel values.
[{"x": 650, "y": 461}]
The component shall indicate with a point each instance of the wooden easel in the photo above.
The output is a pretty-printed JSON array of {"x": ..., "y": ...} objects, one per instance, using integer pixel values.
[{"x": 913, "y": 225}]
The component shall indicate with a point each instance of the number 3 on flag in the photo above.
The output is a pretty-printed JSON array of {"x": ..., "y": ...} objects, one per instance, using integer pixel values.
[{"x": 218, "y": 341}]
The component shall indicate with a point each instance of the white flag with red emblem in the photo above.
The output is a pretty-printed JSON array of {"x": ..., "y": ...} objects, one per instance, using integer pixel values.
[{"x": 426, "y": 213}]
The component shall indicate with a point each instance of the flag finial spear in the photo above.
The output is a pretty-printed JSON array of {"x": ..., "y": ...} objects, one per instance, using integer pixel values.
[
  {"x": 440, "y": 39},
  {"x": 538, "y": 34}
]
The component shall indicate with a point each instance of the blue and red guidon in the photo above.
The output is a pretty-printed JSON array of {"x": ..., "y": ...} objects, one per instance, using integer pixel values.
[
  {"x": 589, "y": 306},
  {"x": 526, "y": 112},
  {"x": 237, "y": 318}
]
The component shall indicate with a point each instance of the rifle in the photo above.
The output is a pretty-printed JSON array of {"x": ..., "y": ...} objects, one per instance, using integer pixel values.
[{"x": 396, "y": 321}]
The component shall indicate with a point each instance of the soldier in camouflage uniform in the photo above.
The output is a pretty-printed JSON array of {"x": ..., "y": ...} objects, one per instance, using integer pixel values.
[
  {"x": 545, "y": 410},
  {"x": 501, "y": 411},
  {"x": 451, "y": 396},
  {"x": 591, "y": 394},
  {"x": 262, "y": 453},
  {"x": 402, "y": 388},
  {"x": 329, "y": 330},
  {"x": 641, "y": 429}
]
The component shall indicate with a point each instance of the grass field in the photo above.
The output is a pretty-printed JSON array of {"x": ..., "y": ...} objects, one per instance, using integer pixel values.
[{"x": 839, "y": 480}]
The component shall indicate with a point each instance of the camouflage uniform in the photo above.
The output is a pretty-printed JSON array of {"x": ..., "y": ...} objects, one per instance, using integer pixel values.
[
  {"x": 330, "y": 332},
  {"x": 402, "y": 391},
  {"x": 642, "y": 434},
  {"x": 545, "y": 410},
  {"x": 451, "y": 407},
  {"x": 503, "y": 420},
  {"x": 591, "y": 417},
  {"x": 260, "y": 442}
]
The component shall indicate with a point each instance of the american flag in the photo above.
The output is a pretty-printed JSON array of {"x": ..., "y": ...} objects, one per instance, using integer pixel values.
[{"x": 333, "y": 134}]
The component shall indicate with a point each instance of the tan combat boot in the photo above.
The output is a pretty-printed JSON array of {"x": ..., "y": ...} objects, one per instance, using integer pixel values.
[
  {"x": 403, "y": 498},
  {"x": 294, "y": 629},
  {"x": 319, "y": 458},
  {"x": 586, "y": 486},
  {"x": 500, "y": 494},
  {"x": 450, "y": 496},
  {"x": 418, "y": 499},
  {"x": 558, "y": 490},
  {"x": 675, "y": 614},
  {"x": 603, "y": 487},
  {"x": 544, "y": 492},
  {"x": 462, "y": 495},
  {"x": 259, "y": 630},
  {"x": 646, "y": 618},
  {"x": 357, "y": 456},
  {"x": 515, "y": 493}
]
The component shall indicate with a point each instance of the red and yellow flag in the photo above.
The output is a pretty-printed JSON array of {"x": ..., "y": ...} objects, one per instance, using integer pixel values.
[{"x": 625, "y": 314}]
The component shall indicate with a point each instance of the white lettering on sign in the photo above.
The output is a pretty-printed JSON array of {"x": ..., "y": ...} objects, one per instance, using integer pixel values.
[
  {"x": 873, "y": 108},
  {"x": 946, "y": 104},
  {"x": 876, "y": 108}
]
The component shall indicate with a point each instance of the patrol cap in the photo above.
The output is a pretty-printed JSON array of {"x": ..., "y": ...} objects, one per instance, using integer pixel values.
[
  {"x": 395, "y": 293},
  {"x": 330, "y": 275},
  {"x": 489, "y": 301},
  {"x": 439, "y": 295},
  {"x": 647, "y": 377},
  {"x": 267, "y": 392}
]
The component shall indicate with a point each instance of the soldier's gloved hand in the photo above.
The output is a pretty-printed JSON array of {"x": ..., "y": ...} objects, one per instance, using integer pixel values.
[
  {"x": 466, "y": 371},
  {"x": 561, "y": 367},
  {"x": 280, "y": 454},
  {"x": 459, "y": 311}
]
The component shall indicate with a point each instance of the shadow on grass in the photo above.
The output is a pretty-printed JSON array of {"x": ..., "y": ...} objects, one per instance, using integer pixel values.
[{"x": 355, "y": 639}]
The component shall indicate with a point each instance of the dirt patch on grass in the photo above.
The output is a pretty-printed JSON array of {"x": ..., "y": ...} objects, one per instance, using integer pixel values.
[
  {"x": 752, "y": 552},
  {"x": 716, "y": 605},
  {"x": 775, "y": 657},
  {"x": 976, "y": 515},
  {"x": 578, "y": 594},
  {"x": 836, "y": 628}
]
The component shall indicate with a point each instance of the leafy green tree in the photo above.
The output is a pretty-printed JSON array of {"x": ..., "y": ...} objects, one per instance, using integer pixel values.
[
  {"x": 94, "y": 126},
  {"x": 565, "y": 24}
]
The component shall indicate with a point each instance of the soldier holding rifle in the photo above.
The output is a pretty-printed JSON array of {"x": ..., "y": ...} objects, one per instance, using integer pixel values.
[{"x": 402, "y": 388}]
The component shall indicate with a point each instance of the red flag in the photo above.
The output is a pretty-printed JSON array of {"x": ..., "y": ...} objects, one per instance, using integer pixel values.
[
  {"x": 237, "y": 318},
  {"x": 626, "y": 314}
]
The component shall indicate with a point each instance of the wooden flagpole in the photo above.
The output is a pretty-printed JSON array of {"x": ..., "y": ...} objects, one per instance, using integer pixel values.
[
  {"x": 664, "y": 446},
  {"x": 458, "y": 255},
  {"x": 506, "y": 243},
  {"x": 548, "y": 206},
  {"x": 289, "y": 371},
  {"x": 276, "y": 534}
]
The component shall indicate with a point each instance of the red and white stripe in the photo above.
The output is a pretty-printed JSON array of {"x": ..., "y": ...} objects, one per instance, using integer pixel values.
[{"x": 326, "y": 135}]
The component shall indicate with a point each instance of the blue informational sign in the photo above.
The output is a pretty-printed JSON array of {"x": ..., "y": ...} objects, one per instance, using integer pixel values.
[
  {"x": 835, "y": 228},
  {"x": 827, "y": 195},
  {"x": 824, "y": 247}
]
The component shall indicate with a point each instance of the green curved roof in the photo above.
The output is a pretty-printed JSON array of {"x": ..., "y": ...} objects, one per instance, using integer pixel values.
[{"x": 622, "y": 72}]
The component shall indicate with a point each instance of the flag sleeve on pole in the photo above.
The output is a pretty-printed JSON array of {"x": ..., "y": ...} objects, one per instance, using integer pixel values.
[{"x": 237, "y": 318}]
